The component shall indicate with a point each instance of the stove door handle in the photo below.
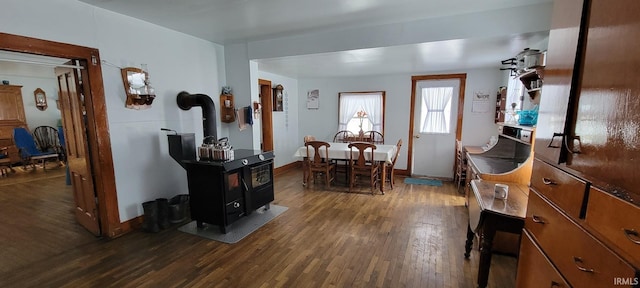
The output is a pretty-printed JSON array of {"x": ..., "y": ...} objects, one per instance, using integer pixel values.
[{"x": 246, "y": 187}]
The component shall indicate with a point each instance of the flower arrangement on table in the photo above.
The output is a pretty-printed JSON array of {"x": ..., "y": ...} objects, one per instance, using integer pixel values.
[{"x": 361, "y": 115}]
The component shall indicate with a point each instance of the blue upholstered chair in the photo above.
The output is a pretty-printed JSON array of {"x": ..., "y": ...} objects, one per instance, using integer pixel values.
[{"x": 29, "y": 153}]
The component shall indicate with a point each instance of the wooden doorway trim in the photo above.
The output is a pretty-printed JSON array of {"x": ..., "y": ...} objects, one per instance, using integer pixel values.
[
  {"x": 97, "y": 122},
  {"x": 267, "y": 114},
  {"x": 414, "y": 79}
]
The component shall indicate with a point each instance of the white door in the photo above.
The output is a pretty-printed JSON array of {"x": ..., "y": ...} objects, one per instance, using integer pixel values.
[{"x": 434, "y": 127}]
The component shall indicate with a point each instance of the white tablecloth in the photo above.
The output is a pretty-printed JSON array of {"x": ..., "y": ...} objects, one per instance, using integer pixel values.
[{"x": 341, "y": 151}]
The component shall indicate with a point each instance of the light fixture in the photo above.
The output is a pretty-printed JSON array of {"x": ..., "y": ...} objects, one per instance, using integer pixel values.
[{"x": 41, "y": 99}]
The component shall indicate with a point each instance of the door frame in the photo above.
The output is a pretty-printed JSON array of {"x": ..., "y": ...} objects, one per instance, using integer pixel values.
[
  {"x": 267, "y": 114},
  {"x": 414, "y": 79},
  {"x": 97, "y": 122}
]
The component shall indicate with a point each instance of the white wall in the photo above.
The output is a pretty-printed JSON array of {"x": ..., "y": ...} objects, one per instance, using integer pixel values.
[
  {"x": 323, "y": 122},
  {"x": 241, "y": 77},
  {"x": 31, "y": 78},
  {"x": 285, "y": 123},
  {"x": 143, "y": 169}
]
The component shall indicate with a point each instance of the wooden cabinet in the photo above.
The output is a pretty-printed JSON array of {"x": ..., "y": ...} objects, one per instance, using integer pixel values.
[
  {"x": 536, "y": 270},
  {"x": 580, "y": 257},
  {"x": 227, "y": 108},
  {"x": 583, "y": 208},
  {"x": 559, "y": 86},
  {"x": 532, "y": 81},
  {"x": 565, "y": 190},
  {"x": 604, "y": 140},
  {"x": 11, "y": 107},
  {"x": 616, "y": 221},
  {"x": 11, "y": 116}
]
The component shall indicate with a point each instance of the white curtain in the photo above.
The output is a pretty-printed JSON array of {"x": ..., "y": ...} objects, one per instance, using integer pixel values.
[
  {"x": 370, "y": 102},
  {"x": 349, "y": 105},
  {"x": 435, "y": 100}
]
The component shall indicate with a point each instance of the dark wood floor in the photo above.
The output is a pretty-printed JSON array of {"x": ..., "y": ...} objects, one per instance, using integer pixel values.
[{"x": 411, "y": 237}]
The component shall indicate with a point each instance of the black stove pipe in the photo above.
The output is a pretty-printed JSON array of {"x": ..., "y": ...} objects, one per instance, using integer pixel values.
[{"x": 186, "y": 101}]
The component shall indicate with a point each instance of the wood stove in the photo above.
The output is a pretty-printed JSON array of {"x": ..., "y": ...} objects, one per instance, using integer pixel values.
[{"x": 221, "y": 192}]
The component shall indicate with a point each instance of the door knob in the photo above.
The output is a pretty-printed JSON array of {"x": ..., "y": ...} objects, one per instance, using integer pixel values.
[{"x": 416, "y": 136}]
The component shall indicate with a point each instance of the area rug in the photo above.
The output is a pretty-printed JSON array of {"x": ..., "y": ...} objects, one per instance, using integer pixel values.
[
  {"x": 237, "y": 230},
  {"x": 422, "y": 181}
]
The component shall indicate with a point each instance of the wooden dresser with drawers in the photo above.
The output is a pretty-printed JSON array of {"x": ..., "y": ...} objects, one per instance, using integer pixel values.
[
  {"x": 11, "y": 116},
  {"x": 583, "y": 216}
]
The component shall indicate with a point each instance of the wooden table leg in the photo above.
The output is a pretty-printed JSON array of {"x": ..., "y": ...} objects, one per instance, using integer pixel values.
[
  {"x": 467, "y": 246},
  {"x": 383, "y": 177},
  {"x": 304, "y": 172},
  {"x": 488, "y": 232}
]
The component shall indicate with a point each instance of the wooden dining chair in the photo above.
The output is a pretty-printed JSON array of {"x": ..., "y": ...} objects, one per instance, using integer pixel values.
[
  {"x": 374, "y": 137},
  {"x": 306, "y": 139},
  {"x": 344, "y": 136},
  {"x": 461, "y": 167},
  {"x": 391, "y": 167},
  {"x": 317, "y": 164},
  {"x": 5, "y": 161},
  {"x": 363, "y": 165}
]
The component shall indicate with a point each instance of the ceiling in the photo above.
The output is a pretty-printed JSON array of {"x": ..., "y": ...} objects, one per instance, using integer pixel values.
[
  {"x": 235, "y": 21},
  {"x": 452, "y": 55}
]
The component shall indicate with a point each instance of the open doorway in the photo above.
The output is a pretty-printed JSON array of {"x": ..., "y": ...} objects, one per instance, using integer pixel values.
[
  {"x": 97, "y": 132},
  {"x": 266, "y": 142},
  {"x": 35, "y": 202}
]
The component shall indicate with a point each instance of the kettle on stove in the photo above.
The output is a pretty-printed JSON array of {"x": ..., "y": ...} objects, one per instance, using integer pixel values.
[{"x": 217, "y": 150}]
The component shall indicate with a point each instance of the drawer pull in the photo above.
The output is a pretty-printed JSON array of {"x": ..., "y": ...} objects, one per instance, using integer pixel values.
[
  {"x": 548, "y": 181},
  {"x": 578, "y": 262},
  {"x": 555, "y": 284},
  {"x": 537, "y": 219},
  {"x": 632, "y": 235}
]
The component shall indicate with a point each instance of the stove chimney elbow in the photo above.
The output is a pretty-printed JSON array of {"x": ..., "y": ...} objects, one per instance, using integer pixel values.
[{"x": 185, "y": 101}]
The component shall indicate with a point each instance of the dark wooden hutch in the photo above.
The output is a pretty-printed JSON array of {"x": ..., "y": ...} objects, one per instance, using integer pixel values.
[{"x": 582, "y": 224}]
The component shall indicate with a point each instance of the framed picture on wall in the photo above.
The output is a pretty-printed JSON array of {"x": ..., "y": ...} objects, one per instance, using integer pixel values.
[{"x": 313, "y": 99}]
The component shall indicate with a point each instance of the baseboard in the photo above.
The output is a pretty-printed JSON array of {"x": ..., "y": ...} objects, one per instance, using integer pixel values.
[
  {"x": 130, "y": 225},
  {"x": 285, "y": 168},
  {"x": 403, "y": 172}
]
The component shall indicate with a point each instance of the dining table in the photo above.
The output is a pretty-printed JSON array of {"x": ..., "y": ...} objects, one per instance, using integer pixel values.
[{"x": 341, "y": 151}]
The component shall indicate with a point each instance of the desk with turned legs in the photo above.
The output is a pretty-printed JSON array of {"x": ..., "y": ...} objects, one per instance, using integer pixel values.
[{"x": 488, "y": 215}]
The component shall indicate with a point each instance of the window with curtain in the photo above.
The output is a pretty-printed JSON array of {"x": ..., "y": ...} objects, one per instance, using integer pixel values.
[
  {"x": 515, "y": 94},
  {"x": 361, "y": 111},
  {"x": 435, "y": 115}
]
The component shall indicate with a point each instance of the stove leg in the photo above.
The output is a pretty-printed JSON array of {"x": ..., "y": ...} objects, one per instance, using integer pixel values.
[
  {"x": 267, "y": 206},
  {"x": 199, "y": 224}
]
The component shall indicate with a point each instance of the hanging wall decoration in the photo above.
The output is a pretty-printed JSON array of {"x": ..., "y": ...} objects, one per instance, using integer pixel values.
[
  {"x": 313, "y": 99},
  {"x": 138, "y": 88},
  {"x": 278, "y": 98}
]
